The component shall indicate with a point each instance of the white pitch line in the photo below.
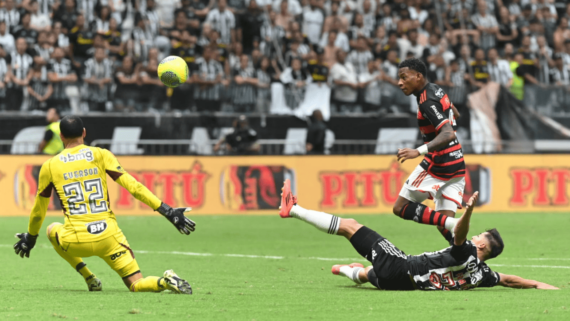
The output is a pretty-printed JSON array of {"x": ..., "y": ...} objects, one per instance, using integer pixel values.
[{"x": 341, "y": 259}]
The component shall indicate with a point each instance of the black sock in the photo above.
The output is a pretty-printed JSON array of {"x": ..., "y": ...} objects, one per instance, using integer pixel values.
[{"x": 448, "y": 236}]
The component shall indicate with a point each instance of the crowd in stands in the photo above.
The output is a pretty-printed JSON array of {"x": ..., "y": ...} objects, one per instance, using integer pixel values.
[{"x": 102, "y": 55}]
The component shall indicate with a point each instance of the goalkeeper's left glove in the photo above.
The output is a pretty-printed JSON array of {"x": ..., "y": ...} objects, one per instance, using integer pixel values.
[
  {"x": 25, "y": 244},
  {"x": 177, "y": 218}
]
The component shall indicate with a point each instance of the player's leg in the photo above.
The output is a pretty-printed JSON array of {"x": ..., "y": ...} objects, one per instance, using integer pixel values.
[
  {"x": 93, "y": 283},
  {"x": 447, "y": 201},
  {"x": 115, "y": 250},
  {"x": 419, "y": 186}
]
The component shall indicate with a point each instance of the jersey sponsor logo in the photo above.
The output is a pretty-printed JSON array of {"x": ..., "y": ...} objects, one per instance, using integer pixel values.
[
  {"x": 439, "y": 116},
  {"x": 117, "y": 255},
  {"x": 96, "y": 227},
  {"x": 439, "y": 93},
  {"x": 457, "y": 154},
  {"x": 81, "y": 173},
  {"x": 84, "y": 154}
]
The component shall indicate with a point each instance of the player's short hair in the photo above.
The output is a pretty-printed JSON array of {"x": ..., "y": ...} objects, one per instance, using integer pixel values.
[
  {"x": 414, "y": 64},
  {"x": 71, "y": 126},
  {"x": 495, "y": 243}
]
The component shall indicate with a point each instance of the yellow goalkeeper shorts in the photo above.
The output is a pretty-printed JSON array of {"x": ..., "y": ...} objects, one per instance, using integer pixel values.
[{"x": 115, "y": 250}]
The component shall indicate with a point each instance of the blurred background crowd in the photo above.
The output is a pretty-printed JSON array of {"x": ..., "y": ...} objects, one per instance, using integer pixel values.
[{"x": 263, "y": 56}]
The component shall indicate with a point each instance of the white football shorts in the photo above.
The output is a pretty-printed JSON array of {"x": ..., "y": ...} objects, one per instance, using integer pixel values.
[{"x": 447, "y": 195}]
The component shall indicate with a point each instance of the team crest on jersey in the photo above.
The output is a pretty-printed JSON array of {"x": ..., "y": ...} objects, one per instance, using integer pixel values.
[
  {"x": 96, "y": 227},
  {"x": 439, "y": 93}
]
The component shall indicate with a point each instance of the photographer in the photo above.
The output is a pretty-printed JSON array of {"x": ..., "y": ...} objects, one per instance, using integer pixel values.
[{"x": 242, "y": 141}]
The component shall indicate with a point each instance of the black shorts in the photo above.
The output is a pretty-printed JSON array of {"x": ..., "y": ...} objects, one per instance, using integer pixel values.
[{"x": 389, "y": 264}]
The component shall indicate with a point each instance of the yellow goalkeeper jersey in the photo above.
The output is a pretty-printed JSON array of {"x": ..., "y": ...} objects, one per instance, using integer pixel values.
[{"x": 79, "y": 177}]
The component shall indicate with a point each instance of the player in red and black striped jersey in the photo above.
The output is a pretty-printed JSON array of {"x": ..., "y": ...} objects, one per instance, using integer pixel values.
[{"x": 440, "y": 175}]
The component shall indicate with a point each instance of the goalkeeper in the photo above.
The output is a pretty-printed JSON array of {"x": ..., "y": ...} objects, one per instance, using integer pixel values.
[{"x": 79, "y": 176}]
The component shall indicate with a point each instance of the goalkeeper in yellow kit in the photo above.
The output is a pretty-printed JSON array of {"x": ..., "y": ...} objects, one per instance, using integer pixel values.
[{"x": 79, "y": 176}]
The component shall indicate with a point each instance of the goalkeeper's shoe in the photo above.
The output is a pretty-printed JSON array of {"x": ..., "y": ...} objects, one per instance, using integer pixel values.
[
  {"x": 94, "y": 284},
  {"x": 175, "y": 284},
  {"x": 336, "y": 268},
  {"x": 287, "y": 199}
]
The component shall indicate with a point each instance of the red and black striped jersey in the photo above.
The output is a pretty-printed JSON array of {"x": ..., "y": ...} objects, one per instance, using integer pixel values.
[{"x": 434, "y": 111}]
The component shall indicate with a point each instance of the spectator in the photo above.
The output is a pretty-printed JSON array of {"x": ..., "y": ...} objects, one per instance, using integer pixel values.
[
  {"x": 81, "y": 42},
  {"x": 182, "y": 96},
  {"x": 87, "y": 8},
  {"x": 507, "y": 29},
  {"x": 560, "y": 73},
  {"x": 455, "y": 78},
  {"x": 271, "y": 34},
  {"x": 345, "y": 79},
  {"x": 359, "y": 30},
  {"x": 21, "y": 73},
  {"x": 486, "y": 24},
  {"x": 39, "y": 89},
  {"x": 294, "y": 6},
  {"x": 544, "y": 60},
  {"x": 416, "y": 11},
  {"x": 61, "y": 40},
  {"x": 368, "y": 15},
  {"x": 480, "y": 69},
  {"x": 265, "y": 75},
  {"x": 61, "y": 75},
  {"x": 404, "y": 24},
  {"x": 360, "y": 56},
  {"x": 242, "y": 141},
  {"x": 499, "y": 69},
  {"x": 234, "y": 58},
  {"x": 432, "y": 49},
  {"x": 207, "y": 80},
  {"x": 390, "y": 68},
  {"x": 117, "y": 48},
  {"x": 153, "y": 89},
  {"x": 67, "y": 15},
  {"x": 98, "y": 77},
  {"x": 369, "y": 81},
  {"x": 437, "y": 70},
  {"x": 51, "y": 144},
  {"x": 382, "y": 50},
  {"x": 251, "y": 24},
  {"x": 341, "y": 39},
  {"x": 548, "y": 21},
  {"x": 24, "y": 30},
  {"x": 127, "y": 79},
  {"x": 224, "y": 22},
  {"x": 313, "y": 19},
  {"x": 43, "y": 48},
  {"x": 142, "y": 39},
  {"x": 39, "y": 20},
  {"x": 151, "y": 17},
  {"x": 295, "y": 80},
  {"x": 334, "y": 15},
  {"x": 385, "y": 19},
  {"x": 244, "y": 95},
  {"x": 561, "y": 34},
  {"x": 316, "y": 134},
  {"x": 6, "y": 39},
  {"x": 102, "y": 21},
  {"x": 4, "y": 78},
  {"x": 284, "y": 17},
  {"x": 410, "y": 45},
  {"x": 10, "y": 15}
]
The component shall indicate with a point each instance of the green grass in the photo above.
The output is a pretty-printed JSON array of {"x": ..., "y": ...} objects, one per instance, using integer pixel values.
[{"x": 296, "y": 287}]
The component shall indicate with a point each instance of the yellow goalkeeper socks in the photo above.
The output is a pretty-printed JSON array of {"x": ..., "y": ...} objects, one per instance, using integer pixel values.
[{"x": 149, "y": 284}]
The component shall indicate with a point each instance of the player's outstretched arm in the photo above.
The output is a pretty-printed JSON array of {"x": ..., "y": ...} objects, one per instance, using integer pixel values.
[
  {"x": 27, "y": 241},
  {"x": 175, "y": 215},
  {"x": 513, "y": 281},
  {"x": 462, "y": 226}
]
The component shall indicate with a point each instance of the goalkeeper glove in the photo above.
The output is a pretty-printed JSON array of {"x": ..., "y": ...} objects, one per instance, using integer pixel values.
[
  {"x": 25, "y": 244},
  {"x": 177, "y": 218}
]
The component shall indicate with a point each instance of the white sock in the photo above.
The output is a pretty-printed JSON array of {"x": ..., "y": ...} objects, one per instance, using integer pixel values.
[
  {"x": 351, "y": 273},
  {"x": 450, "y": 223},
  {"x": 325, "y": 222}
]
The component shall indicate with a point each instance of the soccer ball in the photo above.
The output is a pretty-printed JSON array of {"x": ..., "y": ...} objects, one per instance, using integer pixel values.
[{"x": 173, "y": 71}]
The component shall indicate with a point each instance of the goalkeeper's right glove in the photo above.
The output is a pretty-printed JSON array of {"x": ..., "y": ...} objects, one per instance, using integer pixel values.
[
  {"x": 25, "y": 244},
  {"x": 177, "y": 218}
]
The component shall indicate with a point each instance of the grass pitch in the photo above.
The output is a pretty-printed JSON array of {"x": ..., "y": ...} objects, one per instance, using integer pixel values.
[{"x": 268, "y": 268}]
